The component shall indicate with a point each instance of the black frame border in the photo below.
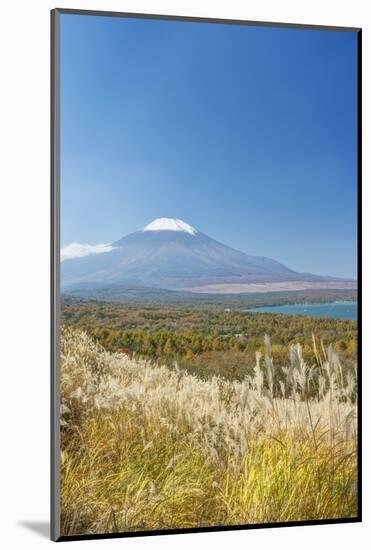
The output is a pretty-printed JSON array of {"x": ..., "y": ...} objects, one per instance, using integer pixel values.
[{"x": 55, "y": 272}]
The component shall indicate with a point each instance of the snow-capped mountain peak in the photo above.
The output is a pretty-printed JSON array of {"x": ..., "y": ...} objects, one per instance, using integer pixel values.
[
  {"x": 170, "y": 224},
  {"x": 168, "y": 253}
]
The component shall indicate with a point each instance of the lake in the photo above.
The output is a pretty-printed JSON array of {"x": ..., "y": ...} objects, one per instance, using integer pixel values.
[{"x": 336, "y": 310}]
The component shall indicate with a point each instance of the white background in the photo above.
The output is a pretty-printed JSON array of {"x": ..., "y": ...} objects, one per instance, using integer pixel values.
[{"x": 24, "y": 234}]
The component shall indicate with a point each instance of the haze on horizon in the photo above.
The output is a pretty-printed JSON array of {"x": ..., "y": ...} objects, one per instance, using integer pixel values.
[{"x": 247, "y": 134}]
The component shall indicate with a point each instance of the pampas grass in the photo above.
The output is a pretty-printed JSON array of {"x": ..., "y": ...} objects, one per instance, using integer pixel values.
[{"x": 146, "y": 447}]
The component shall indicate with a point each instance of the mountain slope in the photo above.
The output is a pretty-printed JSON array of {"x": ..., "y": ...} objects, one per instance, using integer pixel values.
[{"x": 169, "y": 253}]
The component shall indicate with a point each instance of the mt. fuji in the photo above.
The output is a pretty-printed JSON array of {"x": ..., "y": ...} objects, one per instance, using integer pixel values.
[{"x": 169, "y": 253}]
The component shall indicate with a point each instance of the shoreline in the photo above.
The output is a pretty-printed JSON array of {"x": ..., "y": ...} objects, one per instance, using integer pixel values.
[
  {"x": 316, "y": 303},
  {"x": 314, "y": 309}
]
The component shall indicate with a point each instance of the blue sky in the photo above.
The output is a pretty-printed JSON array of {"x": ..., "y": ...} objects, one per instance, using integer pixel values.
[{"x": 247, "y": 133}]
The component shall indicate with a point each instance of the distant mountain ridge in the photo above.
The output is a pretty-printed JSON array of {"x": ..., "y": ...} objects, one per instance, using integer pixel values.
[{"x": 170, "y": 254}]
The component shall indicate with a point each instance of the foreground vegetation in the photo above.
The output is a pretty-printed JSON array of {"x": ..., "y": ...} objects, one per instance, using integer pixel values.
[{"x": 146, "y": 447}]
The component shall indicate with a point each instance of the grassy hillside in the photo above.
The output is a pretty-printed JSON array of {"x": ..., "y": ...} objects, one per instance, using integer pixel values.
[{"x": 147, "y": 447}]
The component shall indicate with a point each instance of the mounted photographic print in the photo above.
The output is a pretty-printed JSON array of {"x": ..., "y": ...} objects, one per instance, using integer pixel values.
[{"x": 205, "y": 274}]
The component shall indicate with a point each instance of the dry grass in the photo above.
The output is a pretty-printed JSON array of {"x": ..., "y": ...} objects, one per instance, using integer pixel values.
[{"x": 145, "y": 447}]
